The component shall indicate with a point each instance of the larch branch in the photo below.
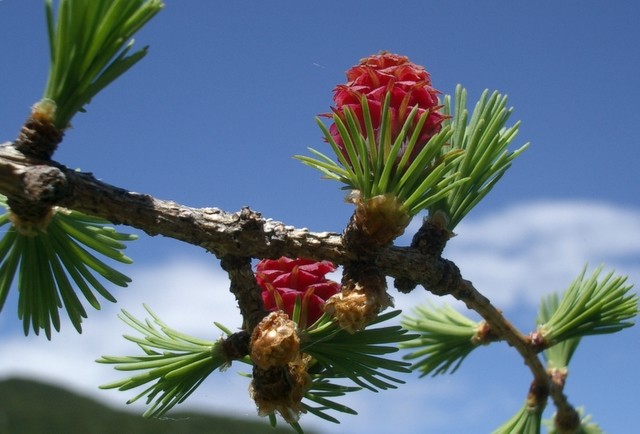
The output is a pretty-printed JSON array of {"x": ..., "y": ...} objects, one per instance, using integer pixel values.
[{"x": 244, "y": 234}]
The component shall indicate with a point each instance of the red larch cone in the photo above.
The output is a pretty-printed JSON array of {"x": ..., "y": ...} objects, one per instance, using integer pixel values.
[{"x": 409, "y": 85}]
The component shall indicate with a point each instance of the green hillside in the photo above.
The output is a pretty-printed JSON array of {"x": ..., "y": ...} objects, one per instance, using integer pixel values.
[{"x": 29, "y": 407}]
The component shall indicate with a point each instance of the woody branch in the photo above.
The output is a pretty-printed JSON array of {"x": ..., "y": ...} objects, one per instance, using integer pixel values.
[{"x": 244, "y": 234}]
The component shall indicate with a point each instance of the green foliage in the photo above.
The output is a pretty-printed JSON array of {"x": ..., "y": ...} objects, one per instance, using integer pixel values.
[
  {"x": 451, "y": 173},
  {"x": 317, "y": 399},
  {"x": 484, "y": 140},
  {"x": 358, "y": 356},
  {"x": 446, "y": 338},
  {"x": 559, "y": 355},
  {"x": 89, "y": 45},
  {"x": 591, "y": 306},
  {"x": 372, "y": 166},
  {"x": 525, "y": 421},
  {"x": 175, "y": 362},
  {"x": 50, "y": 260}
]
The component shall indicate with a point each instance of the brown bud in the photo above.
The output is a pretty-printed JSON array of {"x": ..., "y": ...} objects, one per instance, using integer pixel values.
[
  {"x": 355, "y": 307},
  {"x": 275, "y": 341},
  {"x": 281, "y": 389},
  {"x": 39, "y": 137},
  {"x": 379, "y": 219}
]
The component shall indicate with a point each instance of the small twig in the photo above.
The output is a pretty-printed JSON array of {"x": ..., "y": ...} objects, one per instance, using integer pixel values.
[
  {"x": 246, "y": 290},
  {"x": 502, "y": 327}
]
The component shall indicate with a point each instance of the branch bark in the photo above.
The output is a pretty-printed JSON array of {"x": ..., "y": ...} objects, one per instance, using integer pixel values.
[{"x": 244, "y": 234}]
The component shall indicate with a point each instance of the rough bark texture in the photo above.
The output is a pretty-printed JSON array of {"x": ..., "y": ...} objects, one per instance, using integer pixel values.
[
  {"x": 237, "y": 237},
  {"x": 430, "y": 240}
]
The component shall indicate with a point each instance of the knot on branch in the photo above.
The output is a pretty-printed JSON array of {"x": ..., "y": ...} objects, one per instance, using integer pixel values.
[
  {"x": 250, "y": 220},
  {"x": 538, "y": 341},
  {"x": 42, "y": 187},
  {"x": 484, "y": 334},
  {"x": 567, "y": 419},
  {"x": 430, "y": 240},
  {"x": 375, "y": 223},
  {"x": 558, "y": 376},
  {"x": 236, "y": 346},
  {"x": 538, "y": 394},
  {"x": 446, "y": 280},
  {"x": 44, "y": 184},
  {"x": 246, "y": 228}
]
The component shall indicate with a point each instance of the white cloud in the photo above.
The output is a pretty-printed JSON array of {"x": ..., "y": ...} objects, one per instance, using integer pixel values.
[
  {"x": 512, "y": 256},
  {"x": 188, "y": 295}
]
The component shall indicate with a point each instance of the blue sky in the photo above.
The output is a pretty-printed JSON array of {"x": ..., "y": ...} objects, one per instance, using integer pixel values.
[{"x": 228, "y": 94}]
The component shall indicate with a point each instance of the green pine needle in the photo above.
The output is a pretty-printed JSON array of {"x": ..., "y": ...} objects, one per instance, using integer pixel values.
[
  {"x": 454, "y": 171},
  {"x": 525, "y": 421},
  {"x": 371, "y": 164},
  {"x": 446, "y": 338},
  {"x": 557, "y": 356},
  {"x": 484, "y": 139},
  {"x": 360, "y": 357},
  {"x": 591, "y": 306},
  {"x": 55, "y": 265},
  {"x": 89, "y": 44},
  {"x": 317, "y": 399},
  {"x": 175, "y": 363}
]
